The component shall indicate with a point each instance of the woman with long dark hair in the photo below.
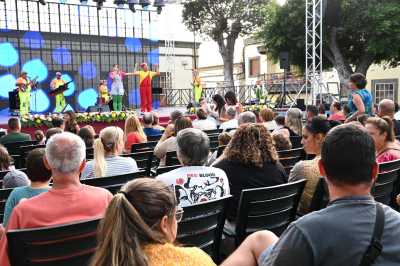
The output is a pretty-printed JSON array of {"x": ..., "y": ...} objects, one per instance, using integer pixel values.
[
  {"x": 219, "y": 110},
  {"x": 70, "y": 123}
]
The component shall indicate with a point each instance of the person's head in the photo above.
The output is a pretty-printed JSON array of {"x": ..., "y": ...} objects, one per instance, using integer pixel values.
[
  {"x": 247, "y": 118},
  {"x": 195, "y": 72},
  {"x": 132, "y": 124},
  {"x": 251, "y": 145},
  {"x": 156, "y": 119},
  {"x": 58, "y": 75},
  {"x": 14, "y": 125},
  {"x": 230, "y": 98},
  {"x": 224, "y": 138},
  {"x": 102, "y": 82},
  {"x": 39, "y": 135},
  {"x": 70, "y": 118},
  {"x": 266, "y": 115},
  {"x": 314, "y": 135},
  {"x": 116, "y": 67},
  {"x": 35, "y": 167},
  {"x": 175, "y": 115},
  {"x": 381, "y": 130},
  {"x": 280, "y": 120},
  {"x": 148, "y": 119},
  {"x": 312, "y": 111},
  {"x": 144, "y": 212},
  {"x": 363, "y": 119},
  {"x": 357, "y": 81},
  {"x": 321, "y": 109},
  {"x": 348, "y": 158},
  {"x": 193, "y": 147},
  {"x": 386, "y": 108},
  {"x": 15, "y": 178},
  {"x": 87, "y": 136},
  {"x": 182, "y": 123},
  {"x": 58, "y": 122},
  {"x": 219, "y": 102},
  {"x": 281, "y": 142},
  {"x": 144, "y": 67},
  {"x": 24, "y": 74},
  {"x": 110, "y": 142},
  {"x": 52, "y": 131},
  {"x": 5, "y": 159},
  {"x": 346, "y": 110},
  {"x": 335, "y": 107},
  {"x": 65, "y": 156},
  {"x": 231, "y": 112},
  {"x": 201, "y": 114},
  {"x": 293, "y": 120}
]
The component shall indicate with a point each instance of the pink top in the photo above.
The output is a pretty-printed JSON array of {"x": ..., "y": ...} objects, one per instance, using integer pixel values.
[
  {"x": 337, "y": 117},
  {"x": 121, "y": 73},
  {"x": 388, "y": 156},
  {"x": 57, "y": 206}
]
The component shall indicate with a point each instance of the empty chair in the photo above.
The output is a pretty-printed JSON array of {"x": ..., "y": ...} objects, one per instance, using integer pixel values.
[
  {"x": 213, "y": 131},
  {"x": 269, "y": 208},
  {"x": 14, "y": 148},
  {"x": 289, "y": 158},
  {"x": 385, "y": 188},
  {"x": 113, "y": 183},
  {"x": 202, "y": 226},
  {"x": 139, "y": 147},
  {"x": 4, "y": 193},
  {"x": 71, "y": 244}
]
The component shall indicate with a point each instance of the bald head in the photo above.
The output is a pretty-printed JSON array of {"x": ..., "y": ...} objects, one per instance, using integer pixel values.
[{"x": 386, "y": 108}]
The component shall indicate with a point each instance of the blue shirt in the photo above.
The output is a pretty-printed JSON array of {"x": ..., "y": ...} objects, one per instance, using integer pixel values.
[
  {"x": 16, "y": 196},
  {"x": 149, "y": 131},
  {"x": 366, "y": 97}
]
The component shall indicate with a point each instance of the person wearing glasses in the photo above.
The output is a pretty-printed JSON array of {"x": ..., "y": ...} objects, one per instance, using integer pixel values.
[{"x": 140, "y": 227}]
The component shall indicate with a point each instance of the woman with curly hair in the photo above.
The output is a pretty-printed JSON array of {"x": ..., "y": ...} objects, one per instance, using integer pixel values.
[{"x": 250, "y": 161}]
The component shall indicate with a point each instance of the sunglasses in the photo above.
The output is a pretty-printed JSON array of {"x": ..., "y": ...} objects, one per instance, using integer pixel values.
[{"x": 179, "y": 214}]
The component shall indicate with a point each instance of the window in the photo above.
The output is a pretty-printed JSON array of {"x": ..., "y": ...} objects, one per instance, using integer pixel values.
[
  {"x": 384, "y": 89},
  {"x": 254, "y": 67}
]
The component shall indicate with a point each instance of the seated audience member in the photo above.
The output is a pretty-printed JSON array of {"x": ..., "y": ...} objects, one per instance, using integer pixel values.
[
  {"x": 70, "y": 123},
  {"x": 250, "y": 161},
  {"x": 58, "y": 122},
  {"x": 336, "y": 112},
  {"x": 313, "y": 137},
  {"x": 52, "y": 131},
  {"x": 193, "y": 148},
  {"x": 68, "y": 200},
  {"x": 202, "y": 122},
  {"x": 175, "y": 115},
  {"x": 231, "y": 122},
  {"x": 156, "y": 122},
  {"x": 14, "y": 132},
  {"x": 340, "y": 234},
  {"x": 107, "y": 161},
  {"x": 148, "y": 128},
  {"x": 223, "y": 140},
  {"x": 87, "y": 136},
  {"x": 14, "y": 178},
  {"x": 133, "y": 133},
  {"x": 280, "y": 124},
  {"x": 140, "y": 228},
  {"x": 247, "y": 118},
  {"x": 281, "y": 142},
  {"x": 312, "y": 111},
  {"x": 39, "y": 176},
  {"x": 39, "y": 136},
  {"x": 168, "y": 142},
  {"x": 381, "y": 130},
  {"x": 293, "y": 124},
  {"x": 387, "y": 108},
  {"x": 267, "y": 119}
]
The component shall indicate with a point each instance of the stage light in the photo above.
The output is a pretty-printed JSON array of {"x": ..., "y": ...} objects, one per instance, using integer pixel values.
[
  {"x": 120, "y": 3},
  {"x": 144, "y": 3},
  {"x": 84, "y": 2},
  {"x": 99, "y": 3},
  {"x": 132, "y": 7},
  {"x": 159, "y": 4},
  {"x": 43, "y": 2}
]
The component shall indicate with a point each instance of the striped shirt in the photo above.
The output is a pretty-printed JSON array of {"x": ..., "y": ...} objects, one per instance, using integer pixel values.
[{"x": 115, "y": 165}]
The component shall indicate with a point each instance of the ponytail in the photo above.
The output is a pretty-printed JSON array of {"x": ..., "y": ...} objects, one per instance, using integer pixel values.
[
  {"x": 384, "y": 125},
  {"x": 100, "y": 165},
  {"x": 390, "y": 130}
]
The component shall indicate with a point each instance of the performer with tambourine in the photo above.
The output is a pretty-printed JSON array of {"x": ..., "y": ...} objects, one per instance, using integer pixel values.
[
  {"x": 56, "y": 84},
  {"x": 24, "y": 87}
]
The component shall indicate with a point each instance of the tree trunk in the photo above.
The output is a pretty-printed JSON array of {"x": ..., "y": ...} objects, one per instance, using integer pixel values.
[
  {"x": 227, "y": 50},
  {"x": 228, "y": 69}
]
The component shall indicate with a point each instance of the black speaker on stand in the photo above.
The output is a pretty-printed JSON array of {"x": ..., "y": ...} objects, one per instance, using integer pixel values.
[{"x": 333, "y": 13}]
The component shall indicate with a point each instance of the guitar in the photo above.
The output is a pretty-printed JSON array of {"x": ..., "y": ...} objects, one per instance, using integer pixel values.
[
  {"x": 60, "y": 89},
  {"x": 33, "y": 83}
]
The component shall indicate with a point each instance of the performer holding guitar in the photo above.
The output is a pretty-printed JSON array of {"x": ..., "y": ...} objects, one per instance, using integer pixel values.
[
  {"x": 56, "y": 83},
  {"x": 24, "y": 87}
]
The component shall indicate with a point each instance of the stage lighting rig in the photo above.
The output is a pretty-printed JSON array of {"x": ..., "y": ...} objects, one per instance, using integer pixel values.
[
  {"x": 84, "y": 2},
  {"x": 120, "y": 3},
  {"x": 99, "y": 3},
  {"x": 144, "y": 3},
  {"x": 42, "y": 2},
  {"x": 159, "y": 4}
]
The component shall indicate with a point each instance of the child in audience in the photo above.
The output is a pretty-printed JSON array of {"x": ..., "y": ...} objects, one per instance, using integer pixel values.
[
  {"x": 14, "y": 178},
  {"x": 281, "y": 142},
  {"x": 39, "y": 176},
  {"x": 223, "y": 140},
  {"x": 140, "y": 227}
]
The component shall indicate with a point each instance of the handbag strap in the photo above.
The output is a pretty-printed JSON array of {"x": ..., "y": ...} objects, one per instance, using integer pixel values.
[{"x": 375, "y": 247}]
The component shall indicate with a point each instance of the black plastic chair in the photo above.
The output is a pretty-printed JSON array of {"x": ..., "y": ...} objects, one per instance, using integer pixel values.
[
  {"x": 213, "y": 131},
  {"x": 147, "y": 146},
  {"x": 220, "y": 150},
  {"x": 320, "y": 198},
  {"x": 171, "y": 158},
  {"x": 269, "y": 208},
  {"x": 69, "y": 244},
  {"x": 386, "y": 184},
  {"x": 202, "y": 226},
  {"x": 296, "y": 141},
  {"x": 113, "y": 183},
  {"x": 165, "y": 169},
  {"x": 14, "y": 148},
  {"x": 4, "y": 194},
  {"x": 289, "y": 158},
  {"x": 154, "y": 138},
  {"x": 143, "y": 159}
]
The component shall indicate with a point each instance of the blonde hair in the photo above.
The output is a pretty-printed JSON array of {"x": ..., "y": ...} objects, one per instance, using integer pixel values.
[
  {"x": 132, "y": 124},
  {"x": 131, "y": 221},
  {"x": 108, "y": 142},
  {"x": 293, "y": 120}
]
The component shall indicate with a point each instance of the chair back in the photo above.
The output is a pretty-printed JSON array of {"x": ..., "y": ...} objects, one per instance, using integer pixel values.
[
  {"x": 220, "y": 150},
  {"x": 113, "y": 183},
  {"x": 4, "y": 194},
  {"x": 386, "y": 184},
  {"x": 296, "y": 141},
  {"x": 213, "y": 131},
  {"x": 320, "y": 198},
  {"x": 165, "y": 169},
  {"x": 154, "y": 138},
  {"x": 147, "y": 146},
  {"x": 202, "y": 225},
  {"x": 171, "y": 158},
  {"x": 143, "y": 159},
  {"x": 271, "y": 208},
  {"x": 289, "y": 158},
  {"x": 69, "y": 244},
  {"x": 14, "y": 148}
]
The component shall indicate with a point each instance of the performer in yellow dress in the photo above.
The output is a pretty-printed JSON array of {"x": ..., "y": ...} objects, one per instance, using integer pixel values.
[
  {"x": 103, "y": 93},
  {"x": 24, "y": 93},
  {"x": 198, "y": 89},
  {"x": 60, "y": 98}
]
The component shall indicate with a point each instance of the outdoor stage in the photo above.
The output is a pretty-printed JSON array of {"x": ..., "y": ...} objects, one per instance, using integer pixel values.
[{"x": 163, "y": 113}]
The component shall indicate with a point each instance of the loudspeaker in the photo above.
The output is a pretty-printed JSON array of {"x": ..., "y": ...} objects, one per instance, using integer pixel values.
[
  {"x": 92, "y": 109},
  {"x": 334, "y": 13},
  {"x": 284, "y": 60}
]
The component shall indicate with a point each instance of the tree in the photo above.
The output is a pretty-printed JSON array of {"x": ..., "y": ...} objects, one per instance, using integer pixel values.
[
  {"x": 223, "y": 21},
  {"x": 369, "y": 33}
]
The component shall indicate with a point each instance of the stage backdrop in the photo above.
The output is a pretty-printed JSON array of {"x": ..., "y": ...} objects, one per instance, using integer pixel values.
[{"x": 79, "y": 41}]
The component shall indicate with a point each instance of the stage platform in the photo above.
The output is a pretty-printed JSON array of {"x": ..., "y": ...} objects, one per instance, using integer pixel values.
[{"x": 163, "y": 114}]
